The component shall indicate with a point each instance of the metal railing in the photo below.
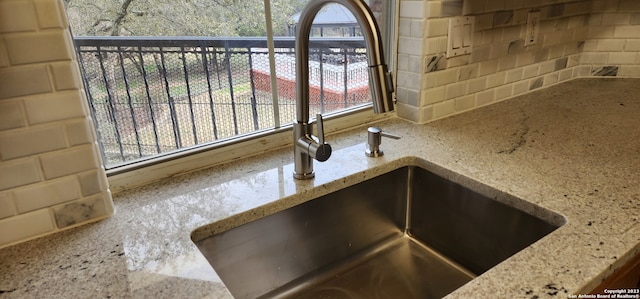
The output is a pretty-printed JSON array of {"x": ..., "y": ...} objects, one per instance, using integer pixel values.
[{"x": 153, "y": 95}]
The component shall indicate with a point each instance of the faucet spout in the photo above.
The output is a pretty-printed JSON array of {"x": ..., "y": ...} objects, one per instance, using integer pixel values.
[{"x": 380, "y": 81}]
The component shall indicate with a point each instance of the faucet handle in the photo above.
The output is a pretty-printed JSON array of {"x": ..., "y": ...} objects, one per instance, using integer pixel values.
[{"x": 320, "y": 124}]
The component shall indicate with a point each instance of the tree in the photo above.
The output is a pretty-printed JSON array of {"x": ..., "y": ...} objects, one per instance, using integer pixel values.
[{"x": 177, "y": 18}]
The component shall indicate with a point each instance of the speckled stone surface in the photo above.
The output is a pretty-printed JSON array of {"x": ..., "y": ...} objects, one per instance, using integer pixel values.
[{"x": 566, "y": 153}]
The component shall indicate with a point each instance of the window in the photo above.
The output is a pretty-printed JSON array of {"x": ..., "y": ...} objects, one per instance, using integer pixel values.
[{"x": 163, "y": 78}]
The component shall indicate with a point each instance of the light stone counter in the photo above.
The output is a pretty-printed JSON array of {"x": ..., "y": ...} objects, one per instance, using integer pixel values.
[{"x": 570, "y": 150}]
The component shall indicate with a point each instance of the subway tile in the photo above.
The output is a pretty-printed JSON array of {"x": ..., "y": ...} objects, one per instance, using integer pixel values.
[
  {"x": 70, "y": 161},
  {"x": 43, "y": 46},
  {"x": 503, "y": 18},
  {"x": 635, "y": 19},
  {"x": 550, "y": 79},
  {"x": 437, "y": 27},
  {"x": 412, "y": 9},
  {"x": 401, "y": 95},
  {"x": 4, "y": 56},
  {"x": 90, "y": 182},
  {"x": 46, "y": 194},
  {"x": 623, "y": 58},
  {"x": 525, "y": 59},
  {"x": 496, "y": 79},
  {"x": 30, "y": 141},
  {"x": 407, "y": 112},
  {"x": 613, "y": 19},
  {"x": 432, "y": 95},
  {"x": 403, "y": 62},
  {"x": 17, "y": 16},
  {"x": 81, "y": 211},
  {"x": 632, "y": 45},
  {"x": 11, "y": 115},
  {"x": 473, "y": 7},
  {"x": 18, "y": 173},
  {"x": 507, "y": 62},
  {"x": 468, "y": 72},
  {"x": 433, "y": 9},
  {"x": 514, "y": 75},
  {"x": 55, "y": 106},
  {"x": 406, "y": 79},
  {"x": 594, "y": 58},
  {"x": 485, "y": 97},
  {"x": 565, "y": 75},
  {"x": 411, "y": 46},
  {"x": 404, "y": 27},
  {"x": 417, "y": 29},
  {"x": 7, "y": 208},
  {"x": 530, "y": 71},
  {"x": 425, "y": 114},
  {"x": 477, "y": 85},
  {"x": 80, "y": 131},
  {"x": 632, "y": 71},
  {"x": 464, "y": 103},
  {"x": 451, "y": 8},
  {"x": 24, "y": 80},
  {"x": 536, "y": 83},
  {"x": 487, "y": 67},
  {"x": 443, "y": 109},
  {"x": 455, "y": 90},
  {"x": 436, "y": 45},
  {"x": 629, "y": 5},
  {"x": 626, "y": 32},
  {"x": 495, "y": 5},
  {"x": 610, "y": 45},
  {"x": 504, "y": 92},
  {"x": 600, "y": 31},
  {"x": 547, "y": 67},
  {"x": 51, "y": 14},
  {"x": 66, "y": 75},
  {"x": 31, "y": 225},
  {"x": 520, "y": 87},
  {"x": 577, "y": 8}
]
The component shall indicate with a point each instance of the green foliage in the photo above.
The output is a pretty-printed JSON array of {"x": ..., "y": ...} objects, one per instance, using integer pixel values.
[{"x": 178, "y": 18}]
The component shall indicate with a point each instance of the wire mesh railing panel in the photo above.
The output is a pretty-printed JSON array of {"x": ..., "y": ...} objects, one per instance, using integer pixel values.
[{"x": 151, "y": 96}]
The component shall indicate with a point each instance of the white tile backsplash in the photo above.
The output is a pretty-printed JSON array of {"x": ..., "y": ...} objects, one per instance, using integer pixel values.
[
  {"x": 577, "y": 38},
  {"x": 51, "y": 174}
]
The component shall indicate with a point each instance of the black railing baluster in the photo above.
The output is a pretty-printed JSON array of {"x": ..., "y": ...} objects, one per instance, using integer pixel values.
[
  {"x": 172, "y": 106},
  {"x": 345, "y": 76},
  {"x": 92, "y": 105},
  {"x": 231, "y": 93},
  {"x": 110, "y": 99},
  {"x": 149, "y": 100},
  {"x": 186, "y": 81},
  {"x": 205, "y": 64},
  {"x": 131, "y": 110},
  {"x": 254, "y": 108},
  {"x": 208, "y": 75}
]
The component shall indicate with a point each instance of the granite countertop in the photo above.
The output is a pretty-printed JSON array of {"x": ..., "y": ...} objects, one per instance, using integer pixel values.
[{"x": 572, "y": 150}]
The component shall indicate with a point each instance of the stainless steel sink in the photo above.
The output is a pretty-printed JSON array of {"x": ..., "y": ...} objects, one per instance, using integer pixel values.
[{"x": 405, "y": 234}]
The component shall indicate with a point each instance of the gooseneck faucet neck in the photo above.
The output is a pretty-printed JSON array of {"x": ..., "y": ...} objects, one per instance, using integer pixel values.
[{"x": 306, "y": 146}]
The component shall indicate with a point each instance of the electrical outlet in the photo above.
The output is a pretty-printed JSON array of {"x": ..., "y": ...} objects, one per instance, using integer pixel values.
[
  {"x": 533, "y": 28},
  {"x": 460, "y": 40}
]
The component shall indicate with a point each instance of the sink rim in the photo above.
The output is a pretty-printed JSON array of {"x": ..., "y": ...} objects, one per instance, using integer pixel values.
[{"x": 289, "y": 201}]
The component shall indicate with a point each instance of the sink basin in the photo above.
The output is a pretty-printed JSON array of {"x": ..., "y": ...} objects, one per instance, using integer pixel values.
[{"x": 408, "y": 233}]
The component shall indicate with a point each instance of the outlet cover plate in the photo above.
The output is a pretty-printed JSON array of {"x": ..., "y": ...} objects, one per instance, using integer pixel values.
[
  {"x": 533, "y": 28},
  {"x": 460, "y": 40}
]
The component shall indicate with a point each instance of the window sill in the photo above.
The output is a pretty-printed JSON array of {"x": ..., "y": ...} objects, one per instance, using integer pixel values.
[{"x": 144, "y": 172}]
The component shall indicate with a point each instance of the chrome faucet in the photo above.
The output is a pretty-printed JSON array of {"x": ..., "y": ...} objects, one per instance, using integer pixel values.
[{"x": 306, "y": 146}]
